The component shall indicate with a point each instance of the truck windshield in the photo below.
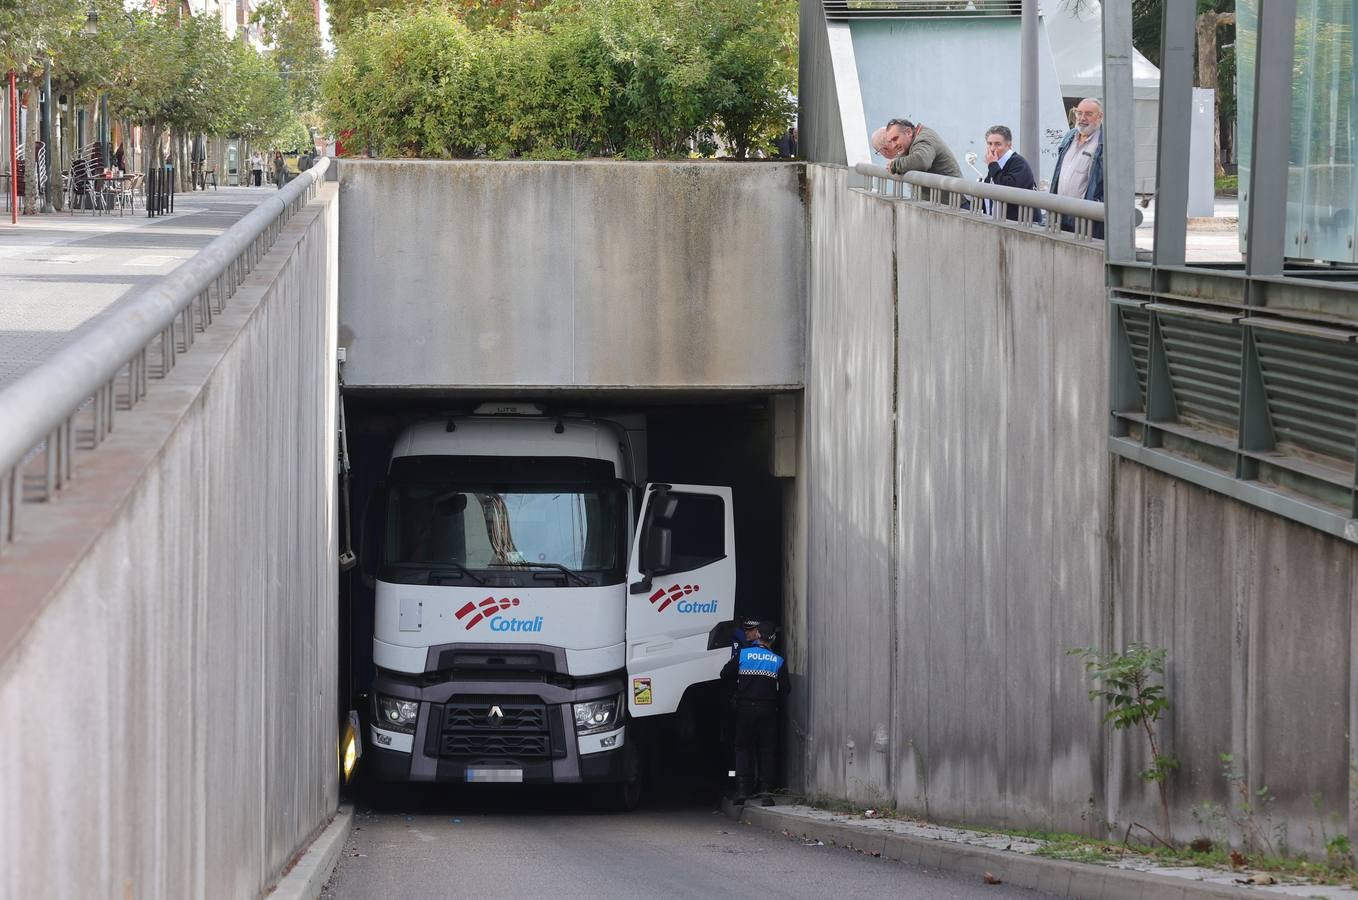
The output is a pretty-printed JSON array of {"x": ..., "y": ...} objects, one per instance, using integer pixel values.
[{"x": 490, "y": 528}]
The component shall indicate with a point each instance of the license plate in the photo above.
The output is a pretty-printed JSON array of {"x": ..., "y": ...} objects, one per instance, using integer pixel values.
[{"x": 495, "y": 776}]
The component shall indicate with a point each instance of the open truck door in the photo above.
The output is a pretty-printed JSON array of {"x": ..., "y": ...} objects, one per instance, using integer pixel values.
[{"x": 681, "y": 579}]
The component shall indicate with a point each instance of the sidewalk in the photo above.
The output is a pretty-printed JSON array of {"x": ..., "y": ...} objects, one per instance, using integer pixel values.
[
  {"x": 1015, "y": 860},
  {"x": 1208, "y": 240},
  {"x": 60, "y": 271}
]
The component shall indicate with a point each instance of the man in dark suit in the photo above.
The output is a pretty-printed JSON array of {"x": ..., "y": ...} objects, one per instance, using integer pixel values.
[{"x": 1007, "y": 167}]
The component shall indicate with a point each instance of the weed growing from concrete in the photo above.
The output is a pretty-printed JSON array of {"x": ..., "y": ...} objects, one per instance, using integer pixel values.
[{"x": 1129, "y": 683}]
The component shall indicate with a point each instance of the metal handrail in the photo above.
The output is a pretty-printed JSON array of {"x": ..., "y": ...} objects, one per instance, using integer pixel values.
[
  {"x": 85, "y": 375},
  {"x": 936, "y": 187},
  {"x": 929, "y": 9}
]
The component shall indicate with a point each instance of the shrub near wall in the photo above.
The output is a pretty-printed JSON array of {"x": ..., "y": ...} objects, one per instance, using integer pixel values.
[{"x": 634, "y": 78}]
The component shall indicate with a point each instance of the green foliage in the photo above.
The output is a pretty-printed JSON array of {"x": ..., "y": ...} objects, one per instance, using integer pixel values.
[
  {"x": 257, "y": 107},
  {"x": 290, "y": 29},
  {"x": 1126, "y": 682},
  {"x": 31, "y": 29},
  {"x": 633, "y": 78}
]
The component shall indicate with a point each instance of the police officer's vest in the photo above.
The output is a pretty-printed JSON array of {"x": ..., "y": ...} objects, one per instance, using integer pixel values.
[{"x": 758, "y": 675}]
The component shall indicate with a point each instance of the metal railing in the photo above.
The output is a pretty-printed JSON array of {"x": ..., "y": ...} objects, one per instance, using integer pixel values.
[
  {"x": 109, "y": 367},
  {"x": 1062, "y": 214},
  {"x": 838, "y": 10}
]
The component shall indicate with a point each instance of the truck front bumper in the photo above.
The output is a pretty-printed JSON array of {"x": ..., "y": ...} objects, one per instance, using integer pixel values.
[
  {"x": 469, "y": 732},
  {"x": 609, "y": 766}
]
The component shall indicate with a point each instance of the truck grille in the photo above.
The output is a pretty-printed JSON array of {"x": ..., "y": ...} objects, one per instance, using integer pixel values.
[
  {"x": 476, "y": 717},
  {"x": 469, "y": 729},
  {"x": 516, "y": 745}
]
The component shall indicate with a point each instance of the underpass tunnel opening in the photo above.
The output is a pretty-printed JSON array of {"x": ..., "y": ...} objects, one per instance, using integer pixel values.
[{"x": 717, "y": 440}]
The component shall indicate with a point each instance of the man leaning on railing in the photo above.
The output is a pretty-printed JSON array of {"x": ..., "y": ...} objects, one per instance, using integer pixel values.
[{"x": 908, "y": 147}]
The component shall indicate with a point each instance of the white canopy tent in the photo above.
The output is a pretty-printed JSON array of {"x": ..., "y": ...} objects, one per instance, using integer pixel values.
[{"x": 1075, "y": 32}]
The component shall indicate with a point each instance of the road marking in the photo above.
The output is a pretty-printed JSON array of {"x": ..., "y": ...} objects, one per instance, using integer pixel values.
[
  {"x": 151, "y": 260},
  {"x": 64, "y": 258}
]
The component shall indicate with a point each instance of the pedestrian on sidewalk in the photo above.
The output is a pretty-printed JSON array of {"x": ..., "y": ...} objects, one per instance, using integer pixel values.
[
  {"x": 761, "y": 682},
  {"x": 280, "y": 169},
  {"x": 257, "y": 168}
]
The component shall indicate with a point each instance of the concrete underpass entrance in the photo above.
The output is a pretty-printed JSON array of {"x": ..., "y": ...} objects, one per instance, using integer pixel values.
[{"x": 713, "y": 439}]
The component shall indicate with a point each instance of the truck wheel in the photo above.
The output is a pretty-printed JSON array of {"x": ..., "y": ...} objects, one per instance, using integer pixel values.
[{"x": 625, "y": 796}]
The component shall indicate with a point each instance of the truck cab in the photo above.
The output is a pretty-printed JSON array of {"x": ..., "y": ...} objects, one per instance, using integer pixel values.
[{"x": 537, "y": 610}]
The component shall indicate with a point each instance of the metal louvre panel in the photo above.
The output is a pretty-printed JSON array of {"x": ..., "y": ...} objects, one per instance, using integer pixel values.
[
  {"x": 1312, "y": 390},
  {"x": 1136, "y": 323},
  {"x": 1204, "y": 367},
  {"x": 840, "y": 10}
]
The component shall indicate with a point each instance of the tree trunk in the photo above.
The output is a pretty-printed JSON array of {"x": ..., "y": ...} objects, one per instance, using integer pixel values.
[
  {"x": 152, "y": 133},
  {"x": 57, "y": 154},
  {"x": 1207, "y": 25},
  {"x": 32, "y": 202}
]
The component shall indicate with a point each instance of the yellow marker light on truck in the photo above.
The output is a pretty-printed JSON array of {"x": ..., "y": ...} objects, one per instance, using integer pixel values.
[{"x": 350, "y": 749}]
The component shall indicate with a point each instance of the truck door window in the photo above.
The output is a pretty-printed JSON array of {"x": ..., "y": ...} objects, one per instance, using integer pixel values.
[{"x": 698, "y": 531}]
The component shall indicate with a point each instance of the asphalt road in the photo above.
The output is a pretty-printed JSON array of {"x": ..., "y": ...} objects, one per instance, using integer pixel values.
[{"x": 446, "y": 845}]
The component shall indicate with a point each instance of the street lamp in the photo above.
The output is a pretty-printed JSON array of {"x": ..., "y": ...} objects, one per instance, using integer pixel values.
[{"x": 90, "y": 29}]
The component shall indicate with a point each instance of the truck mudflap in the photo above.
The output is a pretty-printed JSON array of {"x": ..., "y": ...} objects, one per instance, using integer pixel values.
[{"x": 477, "y": 732}]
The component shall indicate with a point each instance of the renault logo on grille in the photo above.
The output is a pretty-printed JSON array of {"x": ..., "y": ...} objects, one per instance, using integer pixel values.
[{"x": 495, "y": 716}]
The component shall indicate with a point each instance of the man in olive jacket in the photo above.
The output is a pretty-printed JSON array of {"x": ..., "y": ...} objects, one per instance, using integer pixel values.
[{"x": 915, "y": 148}]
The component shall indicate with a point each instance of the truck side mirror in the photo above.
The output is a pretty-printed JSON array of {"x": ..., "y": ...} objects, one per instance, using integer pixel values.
[
  {"x": 655, "y": 556},
  {"x": 657, "y": 537},
  {"x": 370, "y": 530}
]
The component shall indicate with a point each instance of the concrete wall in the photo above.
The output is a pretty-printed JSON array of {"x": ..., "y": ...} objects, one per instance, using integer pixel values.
[
  {"x": 169, "y": 709},
  {"x": 1258, "y": 614},
  {"x": 820, "y": 127},
  {"x": 572, "y": 275},
  {"x": 957, "y": 500},
  {"x": 952, "y": 560}
]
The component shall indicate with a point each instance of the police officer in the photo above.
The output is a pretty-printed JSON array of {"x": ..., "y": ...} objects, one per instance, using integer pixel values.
[
  {"x": 761, "y": 681},
  {"x": 744, "y": 634}
]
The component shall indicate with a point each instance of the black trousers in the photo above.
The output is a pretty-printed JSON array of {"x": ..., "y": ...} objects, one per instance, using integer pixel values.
[
  {"x": 259, "y": 176},
  {"x": 757, "y": 745}
]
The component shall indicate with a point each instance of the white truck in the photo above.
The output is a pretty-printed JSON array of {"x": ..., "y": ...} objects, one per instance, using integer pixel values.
[{"x": 538, "y": 613}]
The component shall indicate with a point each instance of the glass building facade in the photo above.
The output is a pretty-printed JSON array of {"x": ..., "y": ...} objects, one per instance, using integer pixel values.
[{"x": 1322, "y": 193}]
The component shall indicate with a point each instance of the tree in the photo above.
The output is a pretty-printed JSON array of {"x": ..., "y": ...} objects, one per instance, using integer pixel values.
[
  {"x": 1212, "y": 17},
  {"x": 82, "y": 65},
  {"x": 345, "y": 15},
  {"x": 29, "y": 29},
  {"x": 291, "y": 32},
  {"x": 635, "y": 78}
]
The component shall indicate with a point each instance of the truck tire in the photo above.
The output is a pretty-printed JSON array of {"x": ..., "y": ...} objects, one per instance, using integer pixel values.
[{"x": 626, "y": 796}]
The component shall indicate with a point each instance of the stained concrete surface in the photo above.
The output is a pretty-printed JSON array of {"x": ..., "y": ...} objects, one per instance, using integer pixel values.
[
  {"x": 60, "y": 271},
  {"x": 527, "y": 845},
  {"x": 174, "y": 613},
  {"x": 552, "y": 275}
]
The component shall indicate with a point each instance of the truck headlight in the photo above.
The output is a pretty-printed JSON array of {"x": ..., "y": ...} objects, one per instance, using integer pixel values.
[
  {"x": 596, "y": 716},
  {"x": 395, "y": 714}
]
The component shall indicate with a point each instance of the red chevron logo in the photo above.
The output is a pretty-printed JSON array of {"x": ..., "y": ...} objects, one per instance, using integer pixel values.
[
  {"x": 666, "y": 596},
  {"x": 487, "y": 609}
]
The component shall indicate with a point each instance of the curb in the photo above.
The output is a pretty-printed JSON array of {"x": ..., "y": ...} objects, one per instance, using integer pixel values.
[
  {"x": 1054, "y": 876},
  {"x": 305, "y": 880}
]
